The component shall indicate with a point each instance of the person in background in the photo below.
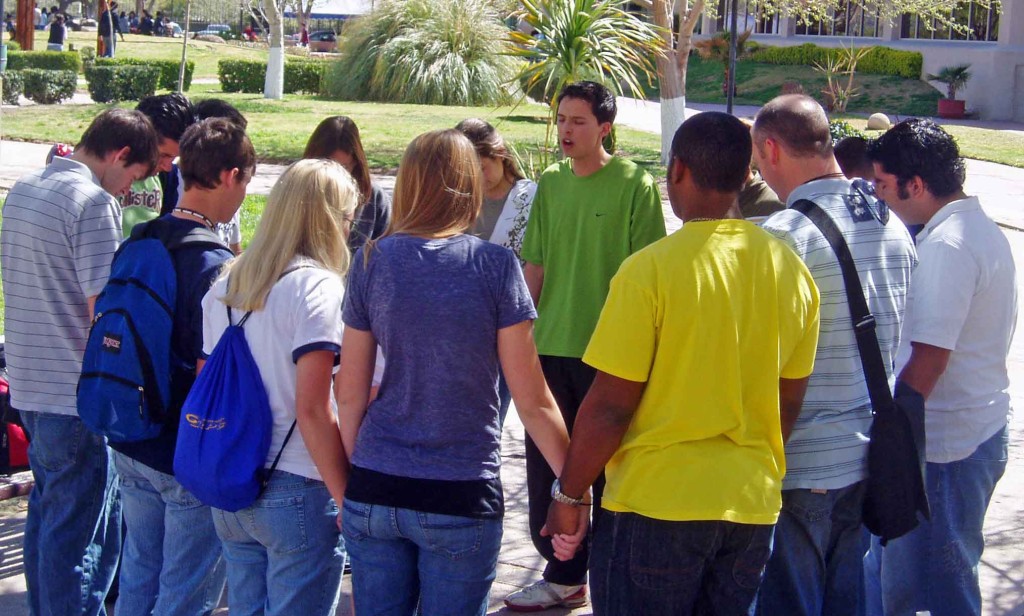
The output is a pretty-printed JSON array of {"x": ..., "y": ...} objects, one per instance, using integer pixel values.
[
  {"x": 146, "y": 24},
  {"x": 123, "y": 24},
  {"x": 42, "y": 18},
  {"x": 337, "y": 138},
  {"x": 423, "y": 506},
  {"x": 231, "y": 231},
  {"x": 133, "y": 23},
  {"x": 852, "y": 156},
  {"x": 289, "y": 560},
  {"x": 757, "y": 200},
  {"x": 508, "y": 196},
  {"x": 58, "y": 35},
  {"x": 62, "y": 225},
  {"x": 108, "y": 26}
]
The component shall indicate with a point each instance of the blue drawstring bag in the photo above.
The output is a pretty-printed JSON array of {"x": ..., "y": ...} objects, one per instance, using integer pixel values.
[{"x": 226, "y": 427}]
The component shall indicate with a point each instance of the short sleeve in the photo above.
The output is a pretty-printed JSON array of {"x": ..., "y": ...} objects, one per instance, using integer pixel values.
[
  {"x": 235, "y": 228},
  {"x": 317, "y": 318},
  {"x": 514, "y": 302},
  {"x": 647, "y": 224},
  {"x": 625, "y": 339},
  {"x": 95, "y": 236},
  {"x": 800, "y": 363},
  {"x": 354, "y": 309},
  {"x": 214, "y": 318},
  {"x": 941, "y": 291},
  {"x": 383, "y": 207},
  {"x": 533, "y": 240}
]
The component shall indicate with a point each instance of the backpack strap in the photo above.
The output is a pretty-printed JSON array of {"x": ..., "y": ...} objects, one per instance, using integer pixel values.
[{"x": 270, "y": 471}]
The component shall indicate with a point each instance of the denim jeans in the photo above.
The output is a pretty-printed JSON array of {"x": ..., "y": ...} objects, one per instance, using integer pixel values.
[
  {"x": 640, "y": 565},
  {"x": 816, "y": 565},
  {"x": 172, "y": 559},
  {"x": 284, "y": 553},
  {"x": 73, "y": 530},
  {"x": 403, "y": 558},
  {"x": 935, "y": 566}
]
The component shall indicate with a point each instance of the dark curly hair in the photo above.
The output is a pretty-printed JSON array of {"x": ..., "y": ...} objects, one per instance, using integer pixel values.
[
  {"x": 920, "y": 148},
  {"x": 171, "y": 114},
  {"x": 600, "y": 99}
]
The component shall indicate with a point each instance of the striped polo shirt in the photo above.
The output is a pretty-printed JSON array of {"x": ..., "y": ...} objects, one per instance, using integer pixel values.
[
  {"x": 60, "y": 231},
  {"x": 828, "y": 446}
]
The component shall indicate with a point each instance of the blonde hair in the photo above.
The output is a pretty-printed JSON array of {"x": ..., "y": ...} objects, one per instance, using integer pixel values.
[{"x": 305, "y": 216}]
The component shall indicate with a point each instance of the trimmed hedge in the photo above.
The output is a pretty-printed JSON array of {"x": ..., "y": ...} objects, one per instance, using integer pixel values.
[
  {"x": 879, "y": 61},
  {"x": 121, "y": 83},
  {"x": 168, "y": 70},
  {"x": 46, "y": 60},
  {"x": 14, "y": 85},
  {"x": 12, "y": 46},
  {"x": 249, "y": 76},
  {"x": 49, "y": 87}
]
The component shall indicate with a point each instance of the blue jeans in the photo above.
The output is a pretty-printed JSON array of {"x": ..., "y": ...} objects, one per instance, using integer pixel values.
[
  {"x": 935, "y": 566},
  {"x": 639, "y": 565},
  {"x": 171, "y": 563},
  {"x": 817, "y": 562},
  {"x": 73, "y": 530},
  {"x": 284, "y": 553},
  {"x": 402, "y": 558}
]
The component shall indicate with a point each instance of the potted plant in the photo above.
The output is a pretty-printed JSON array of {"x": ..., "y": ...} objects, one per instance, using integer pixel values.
[{"x": 955, "y": 78}]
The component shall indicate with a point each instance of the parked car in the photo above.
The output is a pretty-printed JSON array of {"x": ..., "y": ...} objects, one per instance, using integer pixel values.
[
  {"x": 221, "y": 30},
  {"x": 323, "y": 41}
]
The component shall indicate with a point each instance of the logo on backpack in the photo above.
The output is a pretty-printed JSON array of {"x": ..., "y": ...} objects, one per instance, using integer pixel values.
[
  {"x": 205, "y": 424},
  {"x": 125, "y": 389}
]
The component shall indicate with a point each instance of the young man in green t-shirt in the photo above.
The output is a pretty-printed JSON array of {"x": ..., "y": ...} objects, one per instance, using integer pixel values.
[{"x": 592, "y": 210}]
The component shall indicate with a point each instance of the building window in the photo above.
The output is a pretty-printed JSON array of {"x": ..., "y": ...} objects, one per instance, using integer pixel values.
[
  {"x": 749, "y": 16},
  {"x": 982, "y": 24},
  {"x": 848, "y": 18}
]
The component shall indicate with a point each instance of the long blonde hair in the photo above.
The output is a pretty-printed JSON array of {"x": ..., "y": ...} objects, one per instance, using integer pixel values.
[{"x": 306, "y": 215}]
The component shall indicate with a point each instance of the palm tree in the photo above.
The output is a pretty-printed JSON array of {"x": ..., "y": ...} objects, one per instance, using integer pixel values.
[
  {"x": 716, "y": 49},
  {"x": 572, "y": 40},
  {"x": 955, "y": 78}
]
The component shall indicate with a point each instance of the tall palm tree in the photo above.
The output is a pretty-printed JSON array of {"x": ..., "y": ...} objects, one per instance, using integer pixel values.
[{"x": 573, "y": 40}]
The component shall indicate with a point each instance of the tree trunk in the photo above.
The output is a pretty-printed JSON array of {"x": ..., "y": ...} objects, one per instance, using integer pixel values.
[
  {"x": 184, "y": 46},
  {"x": 25, "y": 26},
  {"x": 273, "y": 86},
  {"x": 672, "y": 67}
]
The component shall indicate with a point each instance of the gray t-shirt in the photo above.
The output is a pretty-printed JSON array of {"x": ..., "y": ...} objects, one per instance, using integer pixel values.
[
  {"x": 488, "y": 218},
  {"x": 60, "y": 232},
  {"x": 435, "y": 308}
]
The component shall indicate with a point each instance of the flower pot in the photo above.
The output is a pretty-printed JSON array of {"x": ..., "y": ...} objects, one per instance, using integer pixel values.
[{"x": 951, "y": 109}]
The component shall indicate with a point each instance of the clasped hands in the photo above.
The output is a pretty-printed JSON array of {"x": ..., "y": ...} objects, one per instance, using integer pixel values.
[{"x": 567, "y": 526}]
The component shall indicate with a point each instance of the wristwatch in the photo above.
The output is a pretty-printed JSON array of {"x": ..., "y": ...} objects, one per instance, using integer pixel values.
[{"x": 561, "y": 497}]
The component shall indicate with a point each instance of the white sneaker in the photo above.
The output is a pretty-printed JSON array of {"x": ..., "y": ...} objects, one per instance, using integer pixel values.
[{"x": 543, "y": 595}]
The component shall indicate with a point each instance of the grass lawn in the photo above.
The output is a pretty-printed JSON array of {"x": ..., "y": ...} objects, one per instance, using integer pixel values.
[
  {"x": 279, "y": 129},
  {"x": 205, "y": 55},
  {"x": 757, "y": 83}
]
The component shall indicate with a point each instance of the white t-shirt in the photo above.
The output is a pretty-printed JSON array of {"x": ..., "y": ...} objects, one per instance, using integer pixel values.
[
  {"x": 963, "y": 297},
  {"x": 302, "y": 314}
]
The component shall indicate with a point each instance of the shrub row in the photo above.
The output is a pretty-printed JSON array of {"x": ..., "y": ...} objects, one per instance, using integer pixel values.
[
  {"x": 14, "y": 85},
  {"x": 38, "y": 85},
  {"x": 880, "y": 60},
  {"x": 168, "y": 70},
  {"x": 249, "y": 76},
  {"x": 121, "y": 83},
  {"x": 47, "y": 60}
]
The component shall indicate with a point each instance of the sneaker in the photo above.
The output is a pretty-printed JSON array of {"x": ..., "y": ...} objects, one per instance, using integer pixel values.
[{"x": 543, "y": 595}]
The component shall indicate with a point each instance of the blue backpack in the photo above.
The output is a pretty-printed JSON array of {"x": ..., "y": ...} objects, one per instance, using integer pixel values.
[
  {"x": 124, "y": 389},
  {"x": 226, "y": 427}
]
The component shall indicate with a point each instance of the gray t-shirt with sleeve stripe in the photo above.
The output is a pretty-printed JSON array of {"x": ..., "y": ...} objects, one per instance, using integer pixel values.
[{"x": 60, "y": 232}]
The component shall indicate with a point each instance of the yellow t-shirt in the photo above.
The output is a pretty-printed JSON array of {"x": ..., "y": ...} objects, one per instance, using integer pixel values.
[{"x": 710, "y": 317}]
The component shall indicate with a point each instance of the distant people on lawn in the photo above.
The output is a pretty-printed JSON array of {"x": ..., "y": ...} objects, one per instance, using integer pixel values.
[
  {"x": 58, "y": 35},
  {"x": 702, "y": 355},
  {"x": 337, "y": 138},
  {"x": 62, "y": 225},
  {"x": 961, "y": 314}
]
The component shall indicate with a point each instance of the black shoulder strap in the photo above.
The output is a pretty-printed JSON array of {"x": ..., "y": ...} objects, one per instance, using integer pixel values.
[{"x": 860, "y": 315}]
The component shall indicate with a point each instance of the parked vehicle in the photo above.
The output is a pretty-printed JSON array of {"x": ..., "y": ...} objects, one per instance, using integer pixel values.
[{"x": 323, "y": 41}]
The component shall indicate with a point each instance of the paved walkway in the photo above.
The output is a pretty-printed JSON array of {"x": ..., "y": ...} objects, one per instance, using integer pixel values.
[{"x": 1001, "y": 189}]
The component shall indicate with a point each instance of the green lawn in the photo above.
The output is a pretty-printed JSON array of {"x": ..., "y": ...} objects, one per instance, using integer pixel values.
[
  {"x": 279, "y": 129},
  {"x": 205, "y": 55},
  {"x": 757, "y": 83}
]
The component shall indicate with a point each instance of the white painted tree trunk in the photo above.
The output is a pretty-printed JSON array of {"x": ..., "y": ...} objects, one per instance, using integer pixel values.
[
  {"x": 673, "y": 114},
  {"x": 273, "y": 86}
]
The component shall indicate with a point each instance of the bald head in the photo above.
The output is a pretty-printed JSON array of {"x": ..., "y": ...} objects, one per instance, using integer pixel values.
[{"x": 798, "y": 123}]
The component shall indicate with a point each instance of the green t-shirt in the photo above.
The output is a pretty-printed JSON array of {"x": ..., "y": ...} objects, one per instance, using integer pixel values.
[
  {"x": 580, "y": 230},
  {"x": 142, "y": 202}
]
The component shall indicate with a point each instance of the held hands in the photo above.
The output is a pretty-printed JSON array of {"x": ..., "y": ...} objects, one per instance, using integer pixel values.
[{"x": 567, "y": 526}]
